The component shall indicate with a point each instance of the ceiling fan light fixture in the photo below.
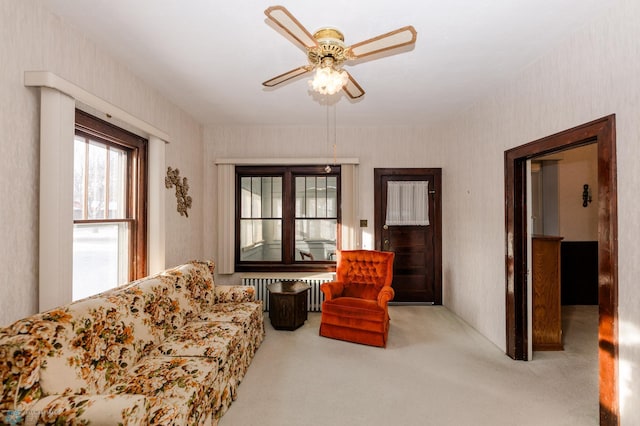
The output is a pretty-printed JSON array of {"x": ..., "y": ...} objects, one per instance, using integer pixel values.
[
  {"x": 327, "y": 52},
  {"x": 328, "y": 81}
]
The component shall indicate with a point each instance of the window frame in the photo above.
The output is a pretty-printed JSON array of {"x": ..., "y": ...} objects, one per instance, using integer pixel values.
[
  {"x": 89, "y": 126},
  {"x": 288, "y": 174}
]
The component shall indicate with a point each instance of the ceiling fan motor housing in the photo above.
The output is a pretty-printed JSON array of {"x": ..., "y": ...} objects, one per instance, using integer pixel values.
[{"x": 331, "y": 49}]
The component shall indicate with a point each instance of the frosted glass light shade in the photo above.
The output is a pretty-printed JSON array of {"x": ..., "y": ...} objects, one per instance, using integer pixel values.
[{"x": 328, "y": 81}]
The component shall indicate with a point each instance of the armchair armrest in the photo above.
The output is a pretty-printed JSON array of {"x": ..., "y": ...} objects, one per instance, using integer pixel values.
[
  {"x": 234, "y": 293},
  {"x": 386, "y": 294},
  {"x": 332, "y": 289}
]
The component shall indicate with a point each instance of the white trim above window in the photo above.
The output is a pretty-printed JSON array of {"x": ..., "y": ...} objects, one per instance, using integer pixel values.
[
  {"x": 285, "y": 161},
  {"x": 95, "y": 103}
]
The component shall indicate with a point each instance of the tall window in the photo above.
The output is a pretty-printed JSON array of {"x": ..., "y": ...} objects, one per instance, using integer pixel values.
[
  {"x": 109, "y": 215},
  {"x": 288, "y": 218}
]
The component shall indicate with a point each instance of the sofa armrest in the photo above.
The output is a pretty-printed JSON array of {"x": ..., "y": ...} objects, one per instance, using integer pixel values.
[
  {"x": 332, "y": 289},
  {"x": 20, "y": 362},
  {"x": 234, "y": 293},
  {"x": 386, "y": 294},
  {"x": 102, "y": 409}
]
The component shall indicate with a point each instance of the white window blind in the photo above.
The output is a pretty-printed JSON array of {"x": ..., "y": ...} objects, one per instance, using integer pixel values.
[{"x": 407, "y": 203}]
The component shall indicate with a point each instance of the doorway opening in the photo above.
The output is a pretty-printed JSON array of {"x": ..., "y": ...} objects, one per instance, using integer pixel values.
[
  {"x": 602, "y": 133},
  {"x": 563, "y": 262}
]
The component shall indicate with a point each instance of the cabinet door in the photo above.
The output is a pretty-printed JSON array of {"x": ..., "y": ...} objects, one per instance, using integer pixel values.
[
  {"x": 547, "y": 321},
  {"x": 281, "y": 311}
]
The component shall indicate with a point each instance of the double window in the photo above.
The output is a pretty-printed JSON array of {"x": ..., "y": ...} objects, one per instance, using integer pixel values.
[
  {"x": 109, "y": 193},
  {"x": 288, "y": 218}
]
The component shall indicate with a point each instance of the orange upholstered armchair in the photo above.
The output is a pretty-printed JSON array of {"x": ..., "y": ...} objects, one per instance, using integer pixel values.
[{"x": 355, "y": 305}]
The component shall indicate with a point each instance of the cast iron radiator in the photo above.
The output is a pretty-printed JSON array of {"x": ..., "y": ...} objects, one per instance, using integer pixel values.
[{"x": 314, "y": 296}]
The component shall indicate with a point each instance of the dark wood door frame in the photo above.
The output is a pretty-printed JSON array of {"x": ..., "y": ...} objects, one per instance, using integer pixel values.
[{"x": 602, "y": 132}]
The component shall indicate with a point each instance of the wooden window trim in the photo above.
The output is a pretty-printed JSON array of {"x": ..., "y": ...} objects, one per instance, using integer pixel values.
[
  {"x": 288, "y": 263},
  {"x": 136, "y": 210}
]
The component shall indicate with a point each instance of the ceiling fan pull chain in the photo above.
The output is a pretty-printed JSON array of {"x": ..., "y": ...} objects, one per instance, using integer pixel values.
[{"x": 335, "y": 135}]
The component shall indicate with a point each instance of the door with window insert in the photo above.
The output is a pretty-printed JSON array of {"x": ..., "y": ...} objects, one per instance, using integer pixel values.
[{"x": 408, "y": 223}]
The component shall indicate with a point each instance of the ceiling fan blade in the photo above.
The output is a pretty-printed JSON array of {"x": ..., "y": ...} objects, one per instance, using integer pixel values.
[
  {"x": 401, "y": 37},
  {"x": 287, "y": 76},
  {"x": 285, "y": 20},
  {"x": 352, "y": 88}
]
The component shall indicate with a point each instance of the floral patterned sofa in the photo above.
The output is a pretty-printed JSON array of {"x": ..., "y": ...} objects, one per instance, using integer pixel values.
[{"x": 167, "y": 349}]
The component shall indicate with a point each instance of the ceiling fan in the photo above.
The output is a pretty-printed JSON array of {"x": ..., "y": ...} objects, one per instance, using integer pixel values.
[{"x": 327, "y": 53}]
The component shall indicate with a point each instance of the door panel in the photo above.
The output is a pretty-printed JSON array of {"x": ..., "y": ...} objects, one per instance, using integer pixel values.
[{"x": 417, "y": 266}]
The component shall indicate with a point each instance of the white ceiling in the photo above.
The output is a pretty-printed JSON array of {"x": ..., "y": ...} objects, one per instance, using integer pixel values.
[{"x": 210, "y": 57}]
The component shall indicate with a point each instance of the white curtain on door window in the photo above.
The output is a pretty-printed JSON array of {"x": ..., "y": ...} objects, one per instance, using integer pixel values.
[{"x": 407, "y": 203}]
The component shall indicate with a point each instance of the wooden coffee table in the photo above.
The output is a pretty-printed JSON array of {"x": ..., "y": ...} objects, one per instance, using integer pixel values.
[{"x": 288, "y": 304}]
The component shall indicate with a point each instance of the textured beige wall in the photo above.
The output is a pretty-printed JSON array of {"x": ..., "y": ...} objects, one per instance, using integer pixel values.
[
  {"x": 373, "y": 146},
  {"x": 578, "y": 167},
  {"x": 594, "y": 73},
  {"x": 33, "y": 39}
]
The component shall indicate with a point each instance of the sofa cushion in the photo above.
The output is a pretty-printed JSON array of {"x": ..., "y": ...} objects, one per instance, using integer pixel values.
[
  {"x": 153, "y": 303},
  {"x": 52, "y": 330},
  {"x": 234, "y": 293},
  {"x": 202, "y": 339},
  {"x": 246, "y": 314},
  {"x": 239, "y": 313},
  {"x": 102, "y": 336},
  {"x": 197, "y": 383},
  {"x": 193, "y": 287},
  {"x": 105, "y": 334},
  {"x": 93, "y": 348}
]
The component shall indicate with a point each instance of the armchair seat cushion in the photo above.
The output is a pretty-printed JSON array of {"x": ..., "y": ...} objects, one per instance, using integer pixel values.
[
  {"x": 354, "y": 314},
  {"x": 355, "y": 309}
]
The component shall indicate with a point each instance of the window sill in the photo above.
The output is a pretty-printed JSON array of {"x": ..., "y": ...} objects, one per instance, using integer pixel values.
[{"x": 294, "y": 268}]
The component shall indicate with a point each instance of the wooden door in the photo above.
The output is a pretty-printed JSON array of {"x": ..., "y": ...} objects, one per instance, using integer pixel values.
[{"x": 417, "y": 269}]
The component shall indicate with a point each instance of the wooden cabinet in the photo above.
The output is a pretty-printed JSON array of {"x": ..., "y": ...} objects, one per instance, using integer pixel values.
[
  {"x": 546, "y": 300},
  {"x": 288, "y": 304}
]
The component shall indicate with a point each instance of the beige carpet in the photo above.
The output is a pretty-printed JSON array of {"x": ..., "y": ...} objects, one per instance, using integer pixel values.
[{"x": 436, "y": 370}]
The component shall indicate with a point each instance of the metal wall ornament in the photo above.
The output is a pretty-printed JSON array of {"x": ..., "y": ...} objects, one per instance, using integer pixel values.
[
  {"x": 586, "y": 195},
  {"x": 182, "y": 187}
]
